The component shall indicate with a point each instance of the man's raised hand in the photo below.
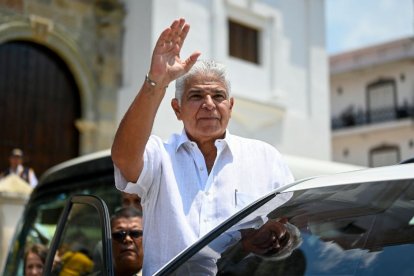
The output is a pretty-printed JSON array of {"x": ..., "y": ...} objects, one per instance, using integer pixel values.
[{"x": 166, "y": 64}]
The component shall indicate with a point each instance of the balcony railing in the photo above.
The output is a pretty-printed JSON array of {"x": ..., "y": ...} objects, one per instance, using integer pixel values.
[{"x": 352, "y": 118}]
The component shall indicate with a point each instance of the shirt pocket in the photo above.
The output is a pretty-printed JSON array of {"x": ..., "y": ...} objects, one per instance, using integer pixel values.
[{"x": 241, "y": 200}]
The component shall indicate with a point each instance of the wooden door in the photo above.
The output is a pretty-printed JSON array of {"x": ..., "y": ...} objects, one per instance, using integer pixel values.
[{"x": 39, "y": 103}]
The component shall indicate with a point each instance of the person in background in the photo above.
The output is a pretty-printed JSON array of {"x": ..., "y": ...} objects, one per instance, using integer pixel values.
[
  {"x": 128, "y": 201},
  {"x": 131, "y": 200},
  {"x": 127, "y": 251},
  {"x": 199, "y": 178},
  {"x": 34, "y": 260},
  {"x": 76, "y": 261},
  {"x": 16, "y": 167}
]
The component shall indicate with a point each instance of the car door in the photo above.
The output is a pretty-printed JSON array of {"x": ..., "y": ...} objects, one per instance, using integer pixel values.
[
  {"x": 356, "y": 223},
  {"x": 82, "y": 241}
]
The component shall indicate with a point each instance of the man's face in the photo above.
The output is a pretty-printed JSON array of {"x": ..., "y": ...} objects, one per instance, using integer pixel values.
[
  {"x": 205, "y": 108},
  {"x": 127, "y": 251},
  {"x": 15, "y": 161}
]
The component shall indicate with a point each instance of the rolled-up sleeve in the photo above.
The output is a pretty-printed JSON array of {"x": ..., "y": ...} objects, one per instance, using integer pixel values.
[{"x": 146, "y": 177}]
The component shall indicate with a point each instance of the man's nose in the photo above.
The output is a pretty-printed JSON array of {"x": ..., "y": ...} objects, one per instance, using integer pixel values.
[
  {"x": 129, "y": 238},
  {"x": 208, "y": 103}
]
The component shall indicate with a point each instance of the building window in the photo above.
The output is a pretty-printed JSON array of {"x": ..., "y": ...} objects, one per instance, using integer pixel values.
[
  {"x": 384, "y": 156},
  {"x": 381, "y": 101},
  {"x": 243, "y": 42}
]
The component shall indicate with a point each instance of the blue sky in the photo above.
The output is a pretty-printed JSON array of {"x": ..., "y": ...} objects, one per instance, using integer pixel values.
[{"x": 353, "y": 24}]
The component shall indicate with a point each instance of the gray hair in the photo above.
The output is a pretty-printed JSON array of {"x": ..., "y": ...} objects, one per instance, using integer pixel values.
[{"x": 203, "y": 67}]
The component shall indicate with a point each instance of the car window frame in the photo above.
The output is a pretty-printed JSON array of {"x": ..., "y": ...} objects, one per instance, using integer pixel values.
[{"x": 104, "y": 219}]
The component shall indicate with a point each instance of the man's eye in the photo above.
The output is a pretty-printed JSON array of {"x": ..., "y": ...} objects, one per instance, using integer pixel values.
[
  {"x": 195, "y": 97},
  {"x": 219, "y": 97}
]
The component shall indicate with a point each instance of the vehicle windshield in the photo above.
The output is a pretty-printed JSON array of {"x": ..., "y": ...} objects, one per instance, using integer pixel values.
[
  {"x": 39, "y": 221},
  {"x": 358, "y": 229}
]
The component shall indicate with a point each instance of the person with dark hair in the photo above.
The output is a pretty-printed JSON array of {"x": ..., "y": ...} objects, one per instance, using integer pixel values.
[
  {"x": 34, "y": 259},
  {"x": 199, "y": 178},
  {"x": 16, "y": 167},
  {"x": 127, "y": 251},
  {"x": 131, "y": 200}
]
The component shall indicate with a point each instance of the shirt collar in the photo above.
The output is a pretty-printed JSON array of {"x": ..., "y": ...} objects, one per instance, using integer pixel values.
[{"x": 183, "y": 139}]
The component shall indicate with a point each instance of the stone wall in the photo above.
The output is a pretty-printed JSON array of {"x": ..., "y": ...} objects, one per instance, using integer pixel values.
[{"x": 87, "y": 35}]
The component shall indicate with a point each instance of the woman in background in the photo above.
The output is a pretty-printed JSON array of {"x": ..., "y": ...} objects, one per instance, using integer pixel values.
[{"x": 34, "y": 260}]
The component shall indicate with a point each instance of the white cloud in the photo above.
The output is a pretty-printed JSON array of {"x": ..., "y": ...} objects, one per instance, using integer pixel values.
[{"x": 353, "y": 24}]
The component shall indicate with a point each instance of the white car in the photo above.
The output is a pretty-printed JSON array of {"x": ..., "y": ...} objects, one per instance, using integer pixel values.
[{"x": 352, "y": 223}]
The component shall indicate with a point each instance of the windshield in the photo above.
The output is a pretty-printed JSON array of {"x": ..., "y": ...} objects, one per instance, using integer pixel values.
[
  {"x": 42, "y": 213},
  {"x": 358, "y": 229}
]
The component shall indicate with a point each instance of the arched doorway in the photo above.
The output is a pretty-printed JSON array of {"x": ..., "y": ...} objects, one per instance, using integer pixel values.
[{"x": 39, "y": 103}]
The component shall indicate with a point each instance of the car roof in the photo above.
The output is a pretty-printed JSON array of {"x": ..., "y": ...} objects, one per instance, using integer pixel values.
[{"x": 97, "y": 162}]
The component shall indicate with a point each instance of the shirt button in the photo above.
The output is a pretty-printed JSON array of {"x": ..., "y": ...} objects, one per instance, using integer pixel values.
[{"x": 201, "y": 168}]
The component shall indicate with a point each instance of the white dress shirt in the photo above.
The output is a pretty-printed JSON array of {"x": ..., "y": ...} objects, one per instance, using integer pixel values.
[{"x": 182, "y": 202}]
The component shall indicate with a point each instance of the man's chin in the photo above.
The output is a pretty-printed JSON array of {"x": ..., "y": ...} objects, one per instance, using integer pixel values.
[
  {"x": 129, "y": 254},
  {"x": 206, "y": 132},
  {"x": 212, "y": 130}
]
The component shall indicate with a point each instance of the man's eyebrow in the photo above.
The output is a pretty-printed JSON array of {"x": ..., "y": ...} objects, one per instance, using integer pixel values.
[{"x": 220, "y": 90}]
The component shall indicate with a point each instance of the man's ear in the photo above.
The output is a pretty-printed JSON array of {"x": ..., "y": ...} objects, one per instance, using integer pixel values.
[
  {"x": 176, "y": 107},
  {"x": 231, "y": 105}
]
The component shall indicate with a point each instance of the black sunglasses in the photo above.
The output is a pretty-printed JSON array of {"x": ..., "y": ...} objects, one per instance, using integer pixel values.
[{"x": 120, "y": 236}]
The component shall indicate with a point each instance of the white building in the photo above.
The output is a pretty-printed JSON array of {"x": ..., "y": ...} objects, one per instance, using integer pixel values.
[
  {"x": 276, "y": 59},
  {"x": 372, "y": 102}
]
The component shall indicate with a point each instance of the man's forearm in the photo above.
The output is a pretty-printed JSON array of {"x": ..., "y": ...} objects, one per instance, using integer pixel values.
[{"x": 134, "y": 130}]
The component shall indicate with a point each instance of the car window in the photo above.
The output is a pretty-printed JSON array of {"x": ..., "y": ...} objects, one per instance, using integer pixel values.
[
  {"x": 81, "y": 244},
  {"x": 41, "y": 215},
  {"x": 358, "y": 229}
]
